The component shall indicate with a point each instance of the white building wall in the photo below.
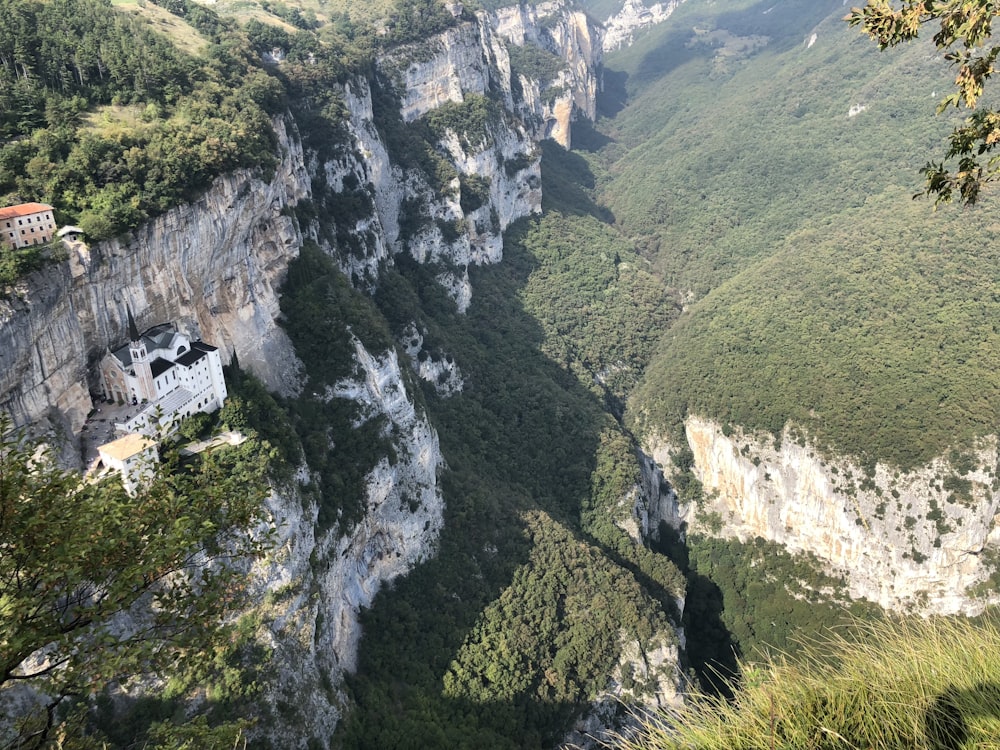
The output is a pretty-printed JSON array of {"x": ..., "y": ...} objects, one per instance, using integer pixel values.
[{"x": 218, "y": 381}]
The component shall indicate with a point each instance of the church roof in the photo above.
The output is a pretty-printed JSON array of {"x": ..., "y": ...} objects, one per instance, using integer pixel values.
[
  {"x": 126, "y": 447},
  {"x": 158, "y": 337},
  {"x": 189, "y": 358},
  {"x": 171, "y": 403},
  {"x": 159, "y": 366}
]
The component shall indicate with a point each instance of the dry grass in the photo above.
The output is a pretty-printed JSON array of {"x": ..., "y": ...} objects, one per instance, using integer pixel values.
[
  {"x": 166, "y": 23},
  {"x": 361, "y": 13},
  {"x": 925, "y": 685},
  {"x": 112, "y": 120}
]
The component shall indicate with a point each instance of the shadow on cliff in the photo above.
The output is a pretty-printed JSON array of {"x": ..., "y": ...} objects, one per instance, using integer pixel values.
[
  {"x": 568, "y": 183},
  {"x": 712, "y": 652},
  {"x": 473, "y": 648},
  {"x": 672, "y": 50},
  {"x": 613, "y": 96}
]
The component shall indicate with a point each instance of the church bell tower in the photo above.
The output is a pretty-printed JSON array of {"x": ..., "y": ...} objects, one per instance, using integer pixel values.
[{"x": 145, "y": 389}]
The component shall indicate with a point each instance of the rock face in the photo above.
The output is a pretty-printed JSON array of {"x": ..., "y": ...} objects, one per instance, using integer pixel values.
[
  {"x": 621, "y": 27},
  {"x": 438, "y": 369},
  {"x": 646, "y": 675},
  {"x": 919, "y": 540},
  {"x": 315, "y": 583},
  {"x": 554, "y": 102},
  {"x": 213, "y": 266},
  {"x": 466, "y": 59}
]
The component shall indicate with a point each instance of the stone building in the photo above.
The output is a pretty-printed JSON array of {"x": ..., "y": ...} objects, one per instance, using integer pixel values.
[
  {"x": 133, "y": 456},
  {"x": 27, "y": 224}
]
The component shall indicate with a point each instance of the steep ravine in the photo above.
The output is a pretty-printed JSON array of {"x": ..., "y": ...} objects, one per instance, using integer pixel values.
[{"x": 216, "y": 267}]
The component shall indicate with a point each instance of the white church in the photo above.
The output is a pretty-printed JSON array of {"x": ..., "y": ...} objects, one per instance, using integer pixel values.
[{"x": 164, "y": 372}]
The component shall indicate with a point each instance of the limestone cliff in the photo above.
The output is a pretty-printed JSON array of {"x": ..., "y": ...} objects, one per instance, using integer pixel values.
[
  {"x": 471, "y": 59},
  {"x": 620, "y": 28},
  {"x": 554, "y": 101},
  {"x": 315, "y": 583},
  {"x": 216, "y": 266},
  {"x": 919, "y": 540},
  {"x": 646, "y": 678},
  {"x": 213, "y": 266}
]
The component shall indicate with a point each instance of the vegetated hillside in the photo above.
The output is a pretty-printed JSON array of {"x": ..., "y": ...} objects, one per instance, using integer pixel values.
[
  {"x": 787, "y": 170},
  {"x": 110, "y": 122},
  {"x": 536, "y": 588},
  {"x": 767, "y": 174},
  {"x": 114, "y": 115},
  {"x": 874, "y": 330},
  {"x": 737, "y": 131}
]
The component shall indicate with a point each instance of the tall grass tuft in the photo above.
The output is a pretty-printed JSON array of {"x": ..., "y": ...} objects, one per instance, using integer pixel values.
[{"x": 903, "y": 685}]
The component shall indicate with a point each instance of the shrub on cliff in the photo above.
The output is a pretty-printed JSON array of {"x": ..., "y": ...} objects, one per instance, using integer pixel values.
[{"x": 75, "y": 75}]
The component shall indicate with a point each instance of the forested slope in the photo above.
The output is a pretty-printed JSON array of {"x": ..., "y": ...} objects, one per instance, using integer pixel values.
[
  {"x": 788, "y": 151},
  {"x": 542, "y": 596},
  {"x": 763, "y": 157},
  {"x": 524, "y": 609}
]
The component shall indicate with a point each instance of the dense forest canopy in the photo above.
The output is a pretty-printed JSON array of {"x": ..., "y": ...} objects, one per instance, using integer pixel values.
[{"x": 112, "y": 122}]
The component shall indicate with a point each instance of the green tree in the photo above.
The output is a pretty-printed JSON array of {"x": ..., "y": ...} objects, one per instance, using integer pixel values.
[
  {"x": 965, "y": 34},
  {"x": 97, "y": 586}
]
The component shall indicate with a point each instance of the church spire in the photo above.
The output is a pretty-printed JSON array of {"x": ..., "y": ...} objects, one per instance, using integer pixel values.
[{"x": 133, "y": 332}]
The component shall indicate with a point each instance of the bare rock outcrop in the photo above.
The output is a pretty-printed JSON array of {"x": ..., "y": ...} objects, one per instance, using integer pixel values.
[{"x": 920, "y": 540}]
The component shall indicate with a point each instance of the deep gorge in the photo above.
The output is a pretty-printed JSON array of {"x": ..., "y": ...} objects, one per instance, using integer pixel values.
[{"x": 510, "y": 359}]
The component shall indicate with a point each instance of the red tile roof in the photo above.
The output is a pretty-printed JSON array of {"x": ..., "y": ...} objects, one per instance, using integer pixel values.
[{"x": 23, "y": 209}]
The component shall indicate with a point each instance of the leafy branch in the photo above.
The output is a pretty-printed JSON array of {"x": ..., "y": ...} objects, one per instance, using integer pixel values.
[{"x": 965, "y": 34}]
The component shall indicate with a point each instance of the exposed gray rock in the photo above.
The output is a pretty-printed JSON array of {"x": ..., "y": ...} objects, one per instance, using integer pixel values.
[
  {"x": 213, "y": 266},
  {"x": 901, "y": 539},
  {"x": 621, "y": 27}
]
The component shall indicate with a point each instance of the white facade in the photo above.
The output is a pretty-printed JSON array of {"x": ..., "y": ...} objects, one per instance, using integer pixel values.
[
  {"x": 173, "y": 376},
  {"x": 26, "y": 224}
]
